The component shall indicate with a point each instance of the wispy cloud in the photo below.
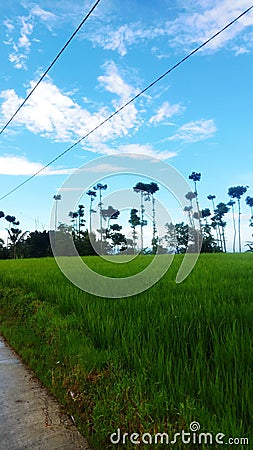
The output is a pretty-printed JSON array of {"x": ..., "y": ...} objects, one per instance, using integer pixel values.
[
  {"x": 46, "y": 16},
  {"x": 166, "y": 111},
  {"x": 123, "y": 37},
  {"x": 197, "y": 22},
  {"x": 194, "y": 28},
  {"x": 19, "y": 33},
  {"x": 135, "y": 150},
  {"x": 195, "y": 131},
  {"x": 20, "y": 48}
]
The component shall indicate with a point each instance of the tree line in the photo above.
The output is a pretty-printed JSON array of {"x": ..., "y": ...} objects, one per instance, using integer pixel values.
[{"x": 207, "y": 226}]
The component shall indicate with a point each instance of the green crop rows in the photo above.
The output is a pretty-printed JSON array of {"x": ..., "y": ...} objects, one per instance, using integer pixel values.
[{"x": 148, "y": 363}]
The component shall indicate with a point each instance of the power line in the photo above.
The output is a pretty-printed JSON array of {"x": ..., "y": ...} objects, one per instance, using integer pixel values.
[
  {"x": 128, "y": 103},
  {"x": 50, "y": 66}
]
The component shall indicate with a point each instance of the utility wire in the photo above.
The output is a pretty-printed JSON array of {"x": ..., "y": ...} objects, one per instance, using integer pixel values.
[
  {"x": 128, "y": 103},
  {"x": 50, "y": 66}
]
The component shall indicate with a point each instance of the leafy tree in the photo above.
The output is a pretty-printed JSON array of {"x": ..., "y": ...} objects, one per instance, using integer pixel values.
[
  {"x": 85, "y": 243},
  {"x": 134, "y": 221},
  {"x": 220, "y": 210},
  {"x": 3, "y": 250},
  {"x": 178, "y": 237},
  {"x": 209, "y": 244},
  {"x": 236, "y": 192},
  {"x": 16, "y": 238},
  {"x": 118, "y": 240},
  {"x": 37, "y": 244},
  {"x": 170, "y": 237}
]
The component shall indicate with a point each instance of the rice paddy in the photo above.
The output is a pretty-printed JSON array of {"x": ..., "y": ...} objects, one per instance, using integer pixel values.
[{"x": 154, "y": 362}]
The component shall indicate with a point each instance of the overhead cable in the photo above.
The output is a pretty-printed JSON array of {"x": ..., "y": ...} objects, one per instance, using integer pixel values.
[
  {"x": 50, "y": 66},
  {"x": 128, "y": 103}
]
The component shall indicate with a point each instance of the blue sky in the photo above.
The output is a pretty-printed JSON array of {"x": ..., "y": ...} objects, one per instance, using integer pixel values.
[{"x": 198, "y": 118}]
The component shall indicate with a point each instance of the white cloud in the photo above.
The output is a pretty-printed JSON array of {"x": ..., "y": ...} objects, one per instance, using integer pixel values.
[
  {"x": 19, "y": 165},
  {"x": 166, "y": 111},
  {"x": 55, "y": 115},
  {"x": 197, "y": 22},
  {"x": 193, "y": 28},
  {"x": 113, "y": 82},
  {"x": 195, "y": 131}
]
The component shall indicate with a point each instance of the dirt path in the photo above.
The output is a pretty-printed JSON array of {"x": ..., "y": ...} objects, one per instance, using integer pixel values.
[{"x": 29, "y": 417}]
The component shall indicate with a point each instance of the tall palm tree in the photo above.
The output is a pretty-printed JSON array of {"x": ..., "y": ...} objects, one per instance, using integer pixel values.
[
  {"x": 237, "y": 192},
  {"x": 188, "y": 210},
  {"x": 232, "y": 203},
  {"x": 110, "y": 214},
  {"x": 142, "y": 189},
  {"x": 81, "y": 220},
  {"x": 100, "y": 187},
  {"x": 205, "y": 213},
  {"x": 196, "y": 176},
  {"x": 92, "y": 195},
  {"x": 214, "y": 225},
  {"x": 57, "y": 198},
  {"x": 249, "y": 202},
  {"x": 190, "y": 196},
  {"x": 151, "y": 189},
  {"x": 74, "y": 216}
]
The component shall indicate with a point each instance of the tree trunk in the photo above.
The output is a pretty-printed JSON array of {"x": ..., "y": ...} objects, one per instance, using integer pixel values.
[
  {"x": 224, "y": 240},
  {"x": 142, "y": 220},
  {"x": 239, "y": 225},
  {"x": 234, "y": 239},
  {"x": 154, "y": 225}
]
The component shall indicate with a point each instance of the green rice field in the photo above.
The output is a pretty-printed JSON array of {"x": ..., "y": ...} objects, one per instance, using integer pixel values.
[{"x": 154, "y": 362}]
